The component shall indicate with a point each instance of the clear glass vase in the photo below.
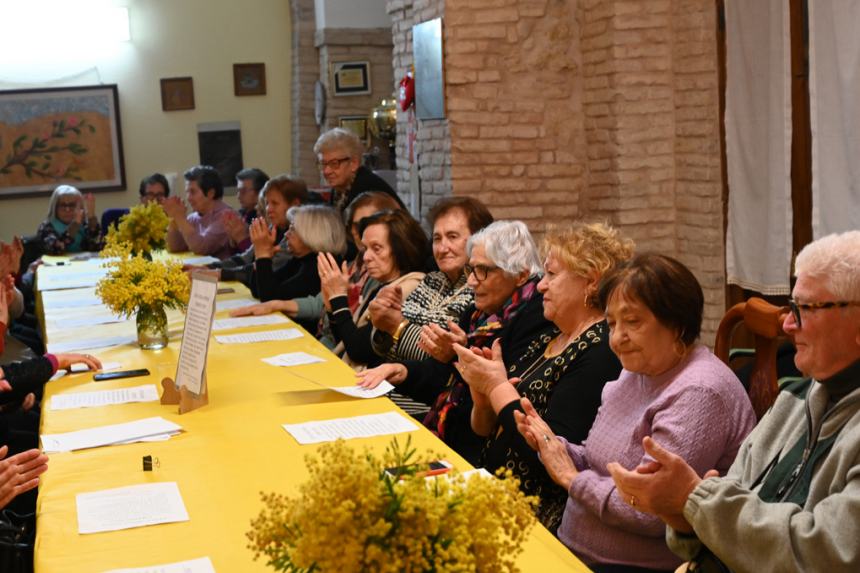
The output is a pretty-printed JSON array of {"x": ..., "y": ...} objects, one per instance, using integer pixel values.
[{"x": 151, "y": 327}]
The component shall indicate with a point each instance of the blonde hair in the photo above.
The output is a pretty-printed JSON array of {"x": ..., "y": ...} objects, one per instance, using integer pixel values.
[
  {"x": 586, "y": 248},
  {"x": 320, "y": 228},
  {"x": 835, "y": 259},
  {"x": 339, "y": 138},
  {"x": 62, "y": 191}
]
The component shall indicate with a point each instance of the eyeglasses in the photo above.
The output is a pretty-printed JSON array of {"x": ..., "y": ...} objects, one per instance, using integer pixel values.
[
  {"x": 67, "y": 206},
  {"x": 332, "y": 163},
  {"x": 480, "y": 271},
  {"x": 796, "y": 307}
]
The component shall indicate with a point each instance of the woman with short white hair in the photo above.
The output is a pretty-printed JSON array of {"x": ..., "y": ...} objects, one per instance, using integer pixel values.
[
  {"x": 311, "y": 229},
  {"x": 504, "y": 269}
]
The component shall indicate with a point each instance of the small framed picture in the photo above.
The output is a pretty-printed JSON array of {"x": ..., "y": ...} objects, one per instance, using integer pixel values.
[
  {"x": 177, "y": 94},
  {"x": 249, "y": 79},
  {"x": 355, "y": 123},
  {"x": 350, "y": 78}
]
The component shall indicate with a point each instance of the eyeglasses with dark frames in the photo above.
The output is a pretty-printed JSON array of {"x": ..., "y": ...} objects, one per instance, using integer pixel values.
[
  {"x": 480, "y": 271},
  {"x": 333, "y": 163},
  {"x": 796, "y": 307}
]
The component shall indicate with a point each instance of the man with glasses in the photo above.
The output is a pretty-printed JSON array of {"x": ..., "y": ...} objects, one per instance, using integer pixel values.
[
  {"x": 791, "y": 500},
  {"x": 339, "y": 154}
]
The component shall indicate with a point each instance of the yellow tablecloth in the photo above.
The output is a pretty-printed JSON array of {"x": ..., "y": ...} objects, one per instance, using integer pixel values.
[{"x": 230, "y": 451}]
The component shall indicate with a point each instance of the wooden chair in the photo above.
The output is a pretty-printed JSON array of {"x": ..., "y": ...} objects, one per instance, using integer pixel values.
[{"x": 764, "y": 321}]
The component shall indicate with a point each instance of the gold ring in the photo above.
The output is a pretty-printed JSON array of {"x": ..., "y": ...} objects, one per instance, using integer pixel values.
[
  {"x": 546, "y": 438},
  {"x": 632, "y": 501}
]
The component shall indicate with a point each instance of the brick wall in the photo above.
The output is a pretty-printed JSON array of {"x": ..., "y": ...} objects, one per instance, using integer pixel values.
[
  {"x": 306, "y": 71},
  {"x": 559, "y": 109}
]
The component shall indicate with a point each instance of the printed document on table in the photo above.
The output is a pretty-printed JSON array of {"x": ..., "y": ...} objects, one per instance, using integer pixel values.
[
  {"x": 233, "y": 303},
  {"x": 145, "y": 393},
  {"x": 128, "y": 507},
  {"x": 90, "y": 343},
  {"x": 107, "y": 435},
  {"x": 348, "y": 428},
  {"x": 202, "y": 565},
  {"x": 73, "y": 298},
  {"x": 242, "y": 321},
  {"x": 204, "y": 260},
  {"x": 358, "y": 392},
  {"x": 292, "y": 359},
  {"x": 262, "y": 336}
]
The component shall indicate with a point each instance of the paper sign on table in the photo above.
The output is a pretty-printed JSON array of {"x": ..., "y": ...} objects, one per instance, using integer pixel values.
[
  {"x": 145, "y": 393},
  {"x": 202, "y": 565},
  {"x": 233, "y": 303},
  {"x": 292, "y": 359},
  {"x": 128, "y": 507},
  {"x": 262, "y": 336},
  {"x": 242, "y": 321},
  {"x": 358, "y": 392},
  {"x": 107, "y": 435},
  {"x": 195, "y": 335},
  {"x": 347, "y": 428}
]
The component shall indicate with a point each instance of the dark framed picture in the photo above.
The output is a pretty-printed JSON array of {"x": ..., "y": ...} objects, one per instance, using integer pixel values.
[
  {"x": 53, "y": 136},
  {"x": 177, "y": 94},
  {"x": 350, "y": 78},
  {"x": 355, "y": 123},
  {"x": 249, "y": 79}
]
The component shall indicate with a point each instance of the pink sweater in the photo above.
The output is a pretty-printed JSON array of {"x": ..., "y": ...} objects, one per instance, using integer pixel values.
[{"x": 698, "y": 410}]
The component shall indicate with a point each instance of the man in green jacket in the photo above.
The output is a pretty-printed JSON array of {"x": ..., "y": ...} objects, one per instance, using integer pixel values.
[{"x": 791, "y": 500}]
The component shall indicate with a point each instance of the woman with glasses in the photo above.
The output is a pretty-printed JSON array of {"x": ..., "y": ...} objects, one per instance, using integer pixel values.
[
  {"x": 503, "y": 271},
  {"x": 72, "y": 225},
  {"x": 562, "y": 373},
  {"x": 339, "y": 154},
  {"x": 671, "y": 389}
]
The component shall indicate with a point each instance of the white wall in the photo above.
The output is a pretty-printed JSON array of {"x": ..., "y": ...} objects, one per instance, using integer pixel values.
[
  {"x": 351, "y": 14},
  {"x": 170, "y": 38}
]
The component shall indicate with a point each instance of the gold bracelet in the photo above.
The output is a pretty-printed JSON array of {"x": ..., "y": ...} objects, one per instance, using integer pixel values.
[{"x": 397, "y": 333}]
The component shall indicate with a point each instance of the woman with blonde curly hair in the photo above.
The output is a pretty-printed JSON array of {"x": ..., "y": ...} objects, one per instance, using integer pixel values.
[{"x": 563, "y": 371}]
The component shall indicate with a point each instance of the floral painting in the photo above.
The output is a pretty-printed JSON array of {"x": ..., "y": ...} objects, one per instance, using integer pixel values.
[{"x": 59, "y": 136}]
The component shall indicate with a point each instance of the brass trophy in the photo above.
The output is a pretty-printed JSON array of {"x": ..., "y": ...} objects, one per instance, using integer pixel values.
[{"x": 382, "y": 122}]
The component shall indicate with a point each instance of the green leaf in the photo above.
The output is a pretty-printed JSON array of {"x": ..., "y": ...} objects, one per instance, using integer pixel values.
[{"x": 17, "y": 143}]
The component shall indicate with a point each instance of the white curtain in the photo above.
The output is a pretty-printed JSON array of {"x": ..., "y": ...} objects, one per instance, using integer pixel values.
[
  {"x": 758, "y": 145},
  {"x": 834, "y": 93}
]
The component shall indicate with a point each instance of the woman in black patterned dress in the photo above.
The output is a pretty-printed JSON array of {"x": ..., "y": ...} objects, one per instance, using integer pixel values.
[{"x": 562, "y": 373}]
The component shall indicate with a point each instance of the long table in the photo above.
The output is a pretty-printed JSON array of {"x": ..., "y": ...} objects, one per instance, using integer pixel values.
[{"x": 231, "y": 450}]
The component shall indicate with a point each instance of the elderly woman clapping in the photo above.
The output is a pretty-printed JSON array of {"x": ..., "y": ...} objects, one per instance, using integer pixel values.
[
  {"x": 503, "y": 271},
  {"x": 562, "y": 373},
  {"x": 670, "y": 388}
]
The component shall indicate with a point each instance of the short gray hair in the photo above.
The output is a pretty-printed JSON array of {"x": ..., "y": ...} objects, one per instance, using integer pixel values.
[
  {"x": 509, "y": 245},
  {"x": 835, "y": 259},
  {"x": 62, "y": 191},
  {"x": 320, "y": 228},
  {"x": 339, "y": 138}
]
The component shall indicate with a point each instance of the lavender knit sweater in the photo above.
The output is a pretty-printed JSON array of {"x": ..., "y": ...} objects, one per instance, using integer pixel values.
[{"x": 698, "y": 410}]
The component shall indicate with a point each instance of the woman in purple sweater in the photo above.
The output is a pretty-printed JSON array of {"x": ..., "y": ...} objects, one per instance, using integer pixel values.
[{"x": 672, "y": 389}]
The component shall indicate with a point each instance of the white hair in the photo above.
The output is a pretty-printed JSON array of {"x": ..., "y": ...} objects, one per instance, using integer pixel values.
[
  {"x": 62, "y": 191},
  {"x": 835, "y": 259},
  {"x": 320, "y": 228},
  {"x": 339, "y": 139},
  {"x": 509, "y": 245}
]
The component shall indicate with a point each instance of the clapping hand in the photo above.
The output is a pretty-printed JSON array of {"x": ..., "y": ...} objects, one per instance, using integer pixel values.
[
  {"x": 263, "y": 239},
  {"x": 439, "y": 343},
  {"x": 174, "y": 207},
  {"x": 386, "y": 309},
  {"x": 90, "y": 205},
  {"x": 235, "y": 226},
  {"x": 482, "y": 368},
  {"x": 334, "y": 280},
  {"x": 541, "y": 438}
]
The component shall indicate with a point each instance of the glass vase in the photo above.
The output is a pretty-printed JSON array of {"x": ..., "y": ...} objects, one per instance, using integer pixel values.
[{"x": 151, "y": 327}]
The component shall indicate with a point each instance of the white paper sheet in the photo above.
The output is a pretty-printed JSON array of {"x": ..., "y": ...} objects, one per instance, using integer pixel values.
[
  {"x": 262, "y": 336},
  {"x": 348, "y": 428},
  {"x": 91, "y": 320},
  {"x": 107, "y": 435},
  {"x": 195, "y": 335},
  {"x": 72, "y": 298},
  {"x": 204, "y": 260},
  {"x": 144, "y": 393},
  {"x": 202, "y": 565},
  {"x": 128, "y": 507},
  {"x": 359, "y": 392},
  {"x": 242, "y": 321},
  {"x": 87, "y": 276},
  {"x": 106, "y": 367},
  {"x": 293, "y": 359},
  {"x": 233, "y": 303},
  {"x": 89, "y": 343}
]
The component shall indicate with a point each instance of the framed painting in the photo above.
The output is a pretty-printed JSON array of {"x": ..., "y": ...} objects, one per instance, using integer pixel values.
[
  {"x": 55, "y": 136},
  {"x": 177, "y": 94},
  {"x": 350, "y": 78},
  {"x": 249, "y": 79},
  {"x": 355, "y": 123}
]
